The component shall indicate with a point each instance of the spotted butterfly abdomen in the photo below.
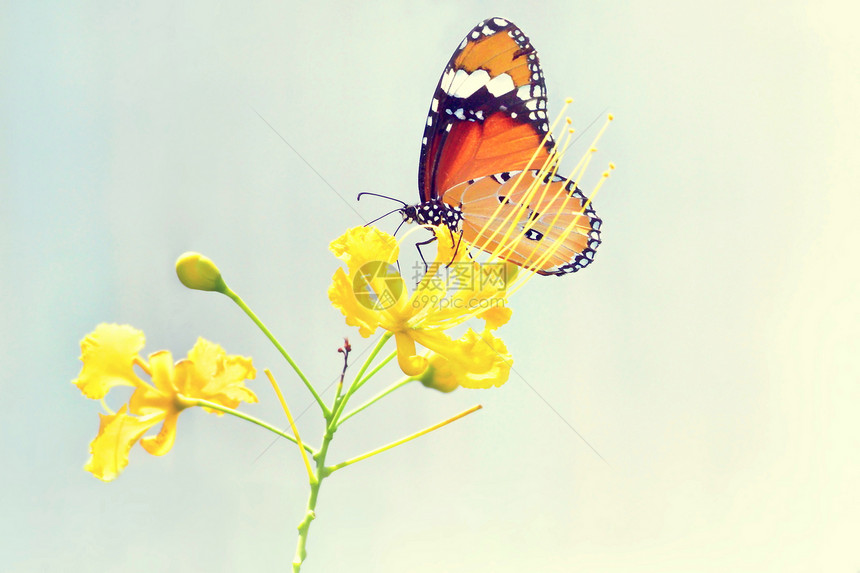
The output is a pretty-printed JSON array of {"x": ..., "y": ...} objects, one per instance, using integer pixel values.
[{"x": 435, "y": 212}]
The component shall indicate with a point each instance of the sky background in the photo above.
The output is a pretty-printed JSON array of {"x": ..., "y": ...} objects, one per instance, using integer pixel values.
[{"x": 709, "y": 354}]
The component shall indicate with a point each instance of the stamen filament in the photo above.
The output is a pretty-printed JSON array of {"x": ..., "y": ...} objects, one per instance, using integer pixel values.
[
  {"x": 301, "y": 446},
  {"x": 551, "y": 160},
  {"x": 403, "y": 440},
  {"x": 508, "y": 245}
]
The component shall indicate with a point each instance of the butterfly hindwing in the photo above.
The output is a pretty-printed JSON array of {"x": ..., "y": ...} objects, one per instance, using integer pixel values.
[
  {"x": 488, "y": 113},
  {"x": 551, "y": 215}
]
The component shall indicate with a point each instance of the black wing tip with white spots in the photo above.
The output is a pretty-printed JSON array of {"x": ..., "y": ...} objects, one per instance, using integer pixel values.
[{"x": 526, "y": 103}]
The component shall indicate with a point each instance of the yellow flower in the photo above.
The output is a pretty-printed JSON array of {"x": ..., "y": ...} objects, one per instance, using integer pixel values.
[
  {"x": 371, "y": 294},
  {"x": 109, "y": 355}
]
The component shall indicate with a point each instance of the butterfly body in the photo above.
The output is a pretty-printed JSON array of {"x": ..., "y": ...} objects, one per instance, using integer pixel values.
[
  {"x": 434, "y": 212},
  {"x": 485, "y": 139}
]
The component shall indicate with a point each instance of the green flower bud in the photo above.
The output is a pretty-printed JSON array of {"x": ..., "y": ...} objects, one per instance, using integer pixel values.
[{"x": 198, "y": 272}]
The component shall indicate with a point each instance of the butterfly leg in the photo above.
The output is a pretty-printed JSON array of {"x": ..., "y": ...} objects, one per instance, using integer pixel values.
[
  {"x": 456, "y": 247},
  {"x": 420, "y": 254}
]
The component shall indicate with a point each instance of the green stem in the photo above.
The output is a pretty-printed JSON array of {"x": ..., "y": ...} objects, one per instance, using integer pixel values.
[
  {"x": 310, "y": 511},
  {"x": 280, "y": 348},
  {"x": 376, "y": 369},
  {"x": 376, "y": 398},
  {"x": 247, "y": 418},
  {"x": 379, "y": 344}
]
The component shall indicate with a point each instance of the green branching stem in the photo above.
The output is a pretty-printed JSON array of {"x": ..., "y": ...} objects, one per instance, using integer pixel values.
[
  {"x": 375, "y": 399},
  {"x": 247, "y": 418}
]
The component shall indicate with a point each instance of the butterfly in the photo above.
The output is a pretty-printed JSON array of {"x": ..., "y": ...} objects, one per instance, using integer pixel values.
[{"x": 485, "y": 140}]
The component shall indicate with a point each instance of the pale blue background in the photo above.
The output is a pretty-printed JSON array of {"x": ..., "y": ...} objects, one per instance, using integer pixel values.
[{"x": 709, "y": 355}]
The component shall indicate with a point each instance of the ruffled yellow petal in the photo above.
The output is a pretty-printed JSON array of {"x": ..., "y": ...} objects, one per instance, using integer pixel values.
[
  {"x": 473, "y": 361},
  {"x": 361, "y": 245},
  {"x": 342, "y": 297},
  {"x": 161, "y": 397},
  {"x": 211, "y": 374},
  {"x": 450, "y": 248},
  {"x": 108, "y": 355},
  {"x": 496, "y": 316},
  {"x": 493, "y": 360},
  {"x": 117, "y": 434}
]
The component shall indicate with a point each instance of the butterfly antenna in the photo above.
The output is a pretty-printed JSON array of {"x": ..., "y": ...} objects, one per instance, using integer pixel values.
[
  {"x": 382, "y": 217},
  {"x": 380, "y": 196}
]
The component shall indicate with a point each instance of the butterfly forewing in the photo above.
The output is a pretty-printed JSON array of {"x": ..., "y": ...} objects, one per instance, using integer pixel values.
[
  {"x": 545, "y": 224},
  {"x": 488, "y": 113}
]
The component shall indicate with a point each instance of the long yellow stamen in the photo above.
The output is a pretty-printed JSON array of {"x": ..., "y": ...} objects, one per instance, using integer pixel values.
[
  {"x": 406, "y": 439},
  {"x": 550, "y": 161},
  {"x": 574, "y": 176},
  {"x": 569, "y": 229},
  {"x": 557, "y": 243},
  {"x": 548, "y": 169},
  {"x": 509, "y": 244},
  {"x": 277, "y": 388}
]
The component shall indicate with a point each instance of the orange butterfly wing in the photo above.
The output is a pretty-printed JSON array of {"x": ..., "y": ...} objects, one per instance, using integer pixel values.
[
  {"x": 488, "y": 113},
  {"x": 557, "y": 231}
]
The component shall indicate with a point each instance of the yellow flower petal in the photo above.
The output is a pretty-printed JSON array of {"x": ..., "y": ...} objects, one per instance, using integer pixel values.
[
  {"x": 496, "y": 316},
  {"x": 161, "y": 443},
  {"x": 108, "y": 355},
  {"x": 473, "y": 361},
  {"x": 161, "y": 366},
  {"x": 110, "y": 448},
  {"x": 409, "y": 361},
  {"x": 361, "y": 245},
  {"x": 211, "y": 374},
  {"x": 342, "y": 296}
]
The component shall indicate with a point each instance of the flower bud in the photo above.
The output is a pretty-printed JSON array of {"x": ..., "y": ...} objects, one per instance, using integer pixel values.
[
  {"x": 198, "y": 272},
  {"x": 438, "y": 375}
]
